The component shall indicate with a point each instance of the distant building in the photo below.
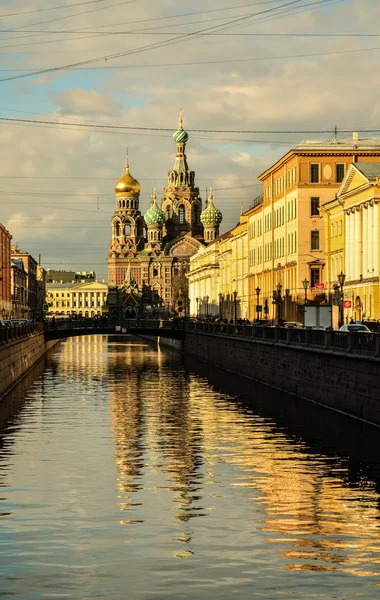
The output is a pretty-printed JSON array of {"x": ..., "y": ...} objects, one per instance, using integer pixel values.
[
  {"x": 62, "y": 276},
  {"x": 82, "y": 299},
  {"x": 20, "y": 308},
  {"x": 148, "y": 257},
  {"x": 30, "y": 266},
  {"x": 41, "y": 291},
  {"x": 5, "y": 274}
]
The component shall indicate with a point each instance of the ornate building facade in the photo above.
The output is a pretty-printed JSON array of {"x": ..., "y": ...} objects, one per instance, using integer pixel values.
[{"x": 148, "y": 257}]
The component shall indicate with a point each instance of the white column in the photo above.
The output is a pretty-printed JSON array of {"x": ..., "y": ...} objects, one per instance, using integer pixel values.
[
  {"x": 348, "y": 265},
  {"x": 370, "y": 248},
  {"x": 356, "y": 245},
  {"x": 365, "y": 241},
  {"x": 376, "y": 239}
]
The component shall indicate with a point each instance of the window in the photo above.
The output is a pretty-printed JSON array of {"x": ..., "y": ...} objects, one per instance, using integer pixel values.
[
  {"x": 314, "y": 277},
  {"x": 181, "y": 215},
  {"x": 339, "y": 168},
  {"x": 315, "y": 240},
  {"x": 314, "y": 207},
  {"x": 196, "y": 214},
  {"x": 127, "y": 229},
  {"x": 314, "y": 173}
]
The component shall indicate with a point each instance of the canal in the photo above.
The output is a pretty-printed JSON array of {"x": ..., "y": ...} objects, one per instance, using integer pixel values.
[{"x": 131, "y": 472}]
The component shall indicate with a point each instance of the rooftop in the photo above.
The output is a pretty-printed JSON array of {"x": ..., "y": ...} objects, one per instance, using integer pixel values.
[
  {"x": 369, "y": 169},
  {"x": 346, "y": 142}
]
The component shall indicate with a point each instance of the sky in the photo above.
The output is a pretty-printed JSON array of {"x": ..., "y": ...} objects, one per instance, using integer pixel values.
[{"x": 254, "y": 79}]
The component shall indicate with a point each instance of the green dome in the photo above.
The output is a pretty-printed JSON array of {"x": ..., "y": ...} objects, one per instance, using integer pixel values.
[
  {"x": 154, "y": 216},
  {"x": 180, "y": 136},
  {"x": 211, "y": 216}
]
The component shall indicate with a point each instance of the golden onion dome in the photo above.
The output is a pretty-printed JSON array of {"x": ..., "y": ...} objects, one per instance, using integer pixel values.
[{"x": 127, "y": 184}]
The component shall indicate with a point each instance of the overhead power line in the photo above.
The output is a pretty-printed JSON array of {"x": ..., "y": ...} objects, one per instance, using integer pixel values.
[
  {"x": 205, "y": 62},
  {"x": 61, "y": 6},
  {"x": 199, "y": 33},
  {"x": 170, "y": 129}
]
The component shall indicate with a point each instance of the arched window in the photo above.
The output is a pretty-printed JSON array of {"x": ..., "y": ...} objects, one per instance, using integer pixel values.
[
  {"x": 181, "y": 215},
  {"x": 117, "y": 228},
  {"x": 168, "y": 213},
  {"x": 196, "y": 214},
  {"x": 127, "y": 229}
]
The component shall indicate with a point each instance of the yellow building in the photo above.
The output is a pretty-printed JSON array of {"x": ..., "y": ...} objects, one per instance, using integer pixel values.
[
  {"x": 352, "y": 240},
  {"x": 233, "y": 265},
  {"x": 218, "y": 282},
  {"x": 286, "y": 242},
  {"x": 203, "y": 279},
  {"x": 83, "y": 299}
]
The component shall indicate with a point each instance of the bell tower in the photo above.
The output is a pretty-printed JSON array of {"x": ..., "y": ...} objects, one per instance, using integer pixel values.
[
  {"x": 127, "y": 226},
  {"x": 181, "y": 203}
]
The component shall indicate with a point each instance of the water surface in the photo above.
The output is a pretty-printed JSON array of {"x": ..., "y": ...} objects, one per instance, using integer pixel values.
[{"x": 127, "y": 473}]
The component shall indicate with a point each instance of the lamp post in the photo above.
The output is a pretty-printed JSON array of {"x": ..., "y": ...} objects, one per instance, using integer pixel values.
[
  {"x": 207, "y": 299},
  {"x": 342, "y": 279},
  {"x": 197, "y": 301},
  {"x": 220, "y": 305},
  {"x": 235, "y": 307},
  {"x": 279, "y": 315},
  {"x": 305, "y": 284},
  {"x": 257, "y": 303}
]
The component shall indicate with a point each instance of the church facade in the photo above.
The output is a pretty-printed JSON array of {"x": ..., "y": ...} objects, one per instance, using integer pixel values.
[{"x": 148, "y": 257}]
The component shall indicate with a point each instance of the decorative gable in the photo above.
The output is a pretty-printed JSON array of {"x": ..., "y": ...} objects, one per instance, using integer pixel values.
[{"x": 353, "y": 180}]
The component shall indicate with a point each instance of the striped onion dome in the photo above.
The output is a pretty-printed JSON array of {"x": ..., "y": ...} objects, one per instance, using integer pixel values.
[
  {"x": 211, "y": 216},
  {"x": 154, "y": 216},
  {"x": 180, "y": 136}
]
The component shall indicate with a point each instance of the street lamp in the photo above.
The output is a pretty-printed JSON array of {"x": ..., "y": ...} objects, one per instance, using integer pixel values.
[
  {"x": 197, "y": 301},
  {"x": 305, "y": 284},
  {"x": 235, "y": 307},
  {"x": 257, "y": 303},
  {"x": 220, "y": 305},
  {"x": 342, "y": 279},
  {"x": 207, "y": 298},
  {"x": 279, "y": 315}
]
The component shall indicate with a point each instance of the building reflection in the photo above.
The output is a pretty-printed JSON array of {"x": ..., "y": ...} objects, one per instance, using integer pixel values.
[
  {"x": 178, "y": 441},
  {"x": 153, "y": 426}
]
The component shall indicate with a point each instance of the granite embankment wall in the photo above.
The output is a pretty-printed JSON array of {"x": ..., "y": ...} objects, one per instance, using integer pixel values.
[
  {"x": 17, "y": 357},
  {"x": 349, "y": 383}
]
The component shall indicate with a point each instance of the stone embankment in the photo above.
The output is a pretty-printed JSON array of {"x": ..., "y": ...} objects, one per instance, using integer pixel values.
[
  {"x": 20, "y": 349},
  {"x": 337, "y": 371}
]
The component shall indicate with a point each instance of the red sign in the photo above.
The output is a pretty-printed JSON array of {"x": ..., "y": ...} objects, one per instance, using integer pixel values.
[
  {"x": 319, "y": 286},
  {"x": 347, "y": 303}
]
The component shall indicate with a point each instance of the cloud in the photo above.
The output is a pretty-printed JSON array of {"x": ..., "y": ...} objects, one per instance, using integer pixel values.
[
  {"x": 86, "y": 102},
  {"x": 68, "y": 174}
]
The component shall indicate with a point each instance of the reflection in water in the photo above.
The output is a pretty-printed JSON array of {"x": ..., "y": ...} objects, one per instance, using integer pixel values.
[{"x": 253, "y": 493}]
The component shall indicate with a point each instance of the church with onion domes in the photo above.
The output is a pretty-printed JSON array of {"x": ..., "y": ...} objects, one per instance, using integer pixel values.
[{"x": 148, "y": 257}]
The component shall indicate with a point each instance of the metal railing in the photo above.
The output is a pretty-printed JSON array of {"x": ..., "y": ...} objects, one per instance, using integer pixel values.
[
  {"x": 18, "y": 332},
  {"x": 339, "y": 341}
]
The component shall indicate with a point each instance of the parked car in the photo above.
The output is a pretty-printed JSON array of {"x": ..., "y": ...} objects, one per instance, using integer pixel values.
[
  {"x": 295, "y": 324},
  {"x": 355, "y": 327},
  {"x": 6, "y": 323}
]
